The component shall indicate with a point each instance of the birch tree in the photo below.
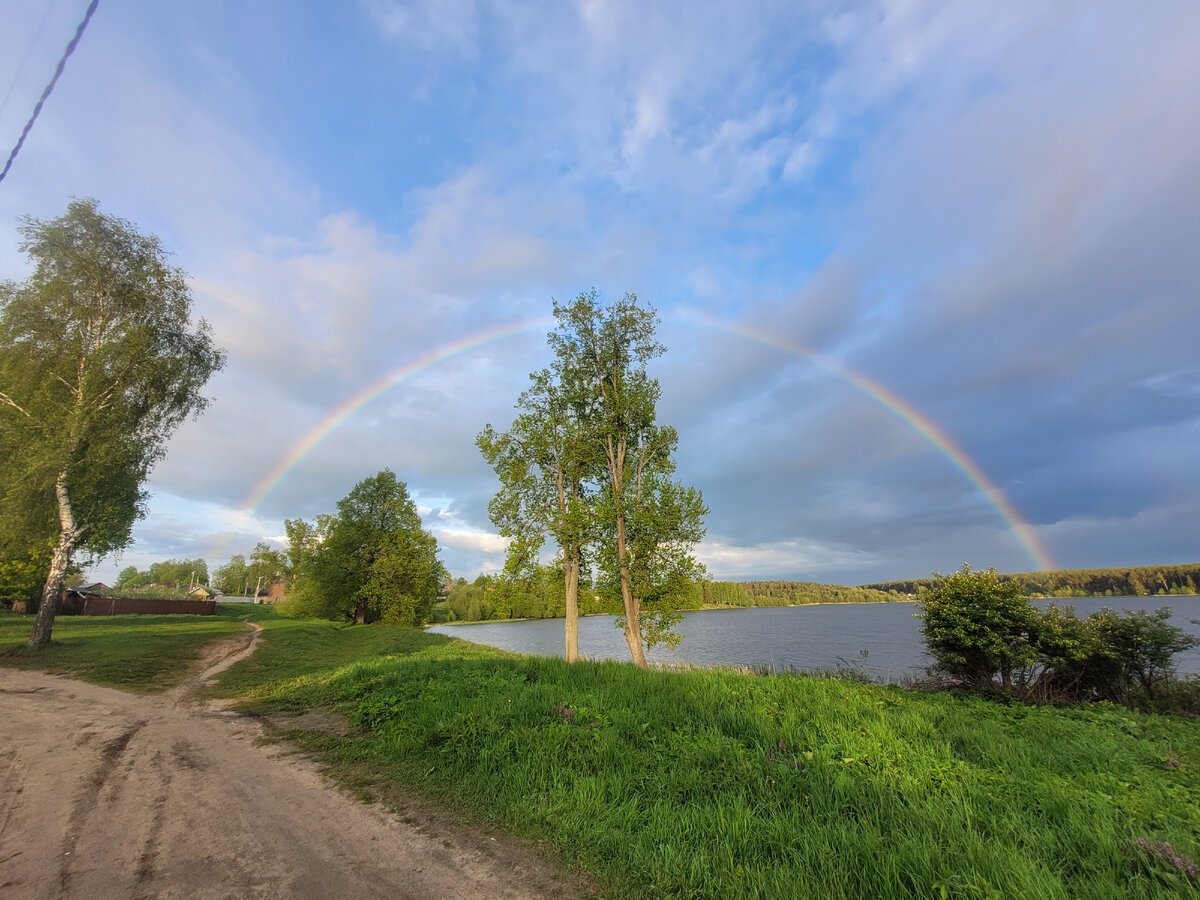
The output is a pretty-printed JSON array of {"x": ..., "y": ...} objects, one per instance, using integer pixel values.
[{"x": 100, "y": 361}]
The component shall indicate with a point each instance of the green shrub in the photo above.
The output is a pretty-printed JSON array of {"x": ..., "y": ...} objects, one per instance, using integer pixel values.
[
  {"x": 978, "y": 628},
  {"x": 984, "y": 633}
]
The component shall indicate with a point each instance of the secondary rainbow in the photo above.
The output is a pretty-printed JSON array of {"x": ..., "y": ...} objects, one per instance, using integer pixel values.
[{"x": 1024, "y": 533}]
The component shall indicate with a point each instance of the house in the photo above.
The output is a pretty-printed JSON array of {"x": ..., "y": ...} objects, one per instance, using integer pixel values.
[
  {"x": 204, "y": 592},
  {"x": 274, "y": 592}
]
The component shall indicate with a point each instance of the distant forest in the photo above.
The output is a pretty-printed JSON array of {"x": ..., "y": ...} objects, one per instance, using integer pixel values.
[
  {"x": 1133, "y": 581},
  {"x": 541, "y": 597}
]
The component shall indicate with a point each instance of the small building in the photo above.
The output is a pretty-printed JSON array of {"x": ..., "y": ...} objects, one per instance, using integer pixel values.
[
  {"x": 274, "y": 592},
  {"x": 203, "y": 592}
]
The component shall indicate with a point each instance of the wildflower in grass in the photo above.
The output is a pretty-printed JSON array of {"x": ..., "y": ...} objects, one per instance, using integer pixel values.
[
  {"x": 1162, "y": 850},
  {"x": 564, "y": 711}
]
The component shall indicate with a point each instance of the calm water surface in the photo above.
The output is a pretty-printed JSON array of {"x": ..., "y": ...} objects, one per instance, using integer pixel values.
[{"x": 794, "y": 637}]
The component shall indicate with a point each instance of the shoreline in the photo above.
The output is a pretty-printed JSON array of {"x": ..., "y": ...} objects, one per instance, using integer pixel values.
[{"x": 819, "y": 603}]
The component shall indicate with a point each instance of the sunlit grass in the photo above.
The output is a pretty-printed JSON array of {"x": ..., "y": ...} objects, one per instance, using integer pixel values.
[
  {"x": 709, "y": 783},
  {"x": 716, "y": 784}
]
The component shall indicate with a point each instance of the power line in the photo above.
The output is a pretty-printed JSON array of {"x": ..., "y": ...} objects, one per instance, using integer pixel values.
[{"x": 87, "y": 16}]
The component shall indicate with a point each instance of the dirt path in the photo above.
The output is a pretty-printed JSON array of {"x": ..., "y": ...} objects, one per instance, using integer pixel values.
[{"x": 109, "y": 794}]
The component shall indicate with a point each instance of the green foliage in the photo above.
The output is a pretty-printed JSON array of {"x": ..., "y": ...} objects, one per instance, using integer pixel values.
[
  {"x": 714, "y": 784},
  {"x": 539, "y": 594},
  {"x": 22, "y": 574},
  {"x": 784, "y": 593},
  {"x": 128, "y": 577},
  {"x": 99, "y": 362},
  {"x": 267, "y": 565},
  {"x": 979, "y": 628},
  {"x": 375, "y": 563},
  {"x": 233, "y": 577},
  {"x": 544, "y": 462},
  {"x": 1138, "y": 581},
  {"x": 173, "y": 573}
]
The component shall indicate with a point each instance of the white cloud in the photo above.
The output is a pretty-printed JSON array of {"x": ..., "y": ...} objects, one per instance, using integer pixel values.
[
  {"x": 477, "y": 541},
  {"x": 745, "y": 563}
]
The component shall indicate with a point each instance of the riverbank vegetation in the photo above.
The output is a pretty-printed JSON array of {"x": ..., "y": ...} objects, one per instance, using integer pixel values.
[
  {"x": 1129, "y": 581},
  {"x": 717, "y": 784},
  {"x": 984, "y": 634},
  {"x": 539, "y": 595},
  {"x": 712, "y": 783}
]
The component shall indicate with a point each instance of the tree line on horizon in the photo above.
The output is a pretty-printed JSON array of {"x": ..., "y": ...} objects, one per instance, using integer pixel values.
[{"x": 1125, "y": 581}]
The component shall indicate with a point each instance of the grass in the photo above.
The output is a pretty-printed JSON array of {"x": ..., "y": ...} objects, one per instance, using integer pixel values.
[
  {"x": 146, "y": 654},
  {"x": 716, "y": 784}
]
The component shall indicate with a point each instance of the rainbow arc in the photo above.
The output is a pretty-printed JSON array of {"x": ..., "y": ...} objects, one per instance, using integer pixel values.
[{"x": 1024, "y": 533}]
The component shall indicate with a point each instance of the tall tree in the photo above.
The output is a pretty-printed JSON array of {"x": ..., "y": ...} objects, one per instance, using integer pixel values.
[
  {"x": 99, "y": 363},
  {"x": 586, "y": 462},
  {"x": 544, "y": 462},
  {"x": 231, "y": 578},
  {"x": 304, "y": 539},
  {"x": 266, "y": 566},
  {"x": 653, "y": 522},
  {"x": 375, "y": 563}
]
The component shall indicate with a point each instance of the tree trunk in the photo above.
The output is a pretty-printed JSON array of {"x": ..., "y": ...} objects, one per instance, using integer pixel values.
[
  {"x": 633, "y": 624},
  {"x": 571, "y": 575},
  {"x": 63, "y": 550}
]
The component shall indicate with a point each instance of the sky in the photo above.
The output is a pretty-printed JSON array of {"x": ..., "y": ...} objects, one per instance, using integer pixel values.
[{"x": 927, "y": 272}]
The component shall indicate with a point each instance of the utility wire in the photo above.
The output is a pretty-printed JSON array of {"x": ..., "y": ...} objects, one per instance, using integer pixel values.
[{"x": 87, "y": 16}]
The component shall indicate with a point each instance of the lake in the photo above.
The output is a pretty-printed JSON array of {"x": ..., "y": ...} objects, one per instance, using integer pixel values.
[{"x": 793, "y": 637}]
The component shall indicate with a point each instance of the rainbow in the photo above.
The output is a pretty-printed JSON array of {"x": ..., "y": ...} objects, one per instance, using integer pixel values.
[
  {"x": 911, "y": 416},
  {"x": 361, "y": 398},
  {"x": 1024, "y": 533}
]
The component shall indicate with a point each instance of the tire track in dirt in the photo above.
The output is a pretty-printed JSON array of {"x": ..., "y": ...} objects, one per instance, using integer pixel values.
[
  {"x": 114, "y": 795},
  {"x": 85, "y": 798}
]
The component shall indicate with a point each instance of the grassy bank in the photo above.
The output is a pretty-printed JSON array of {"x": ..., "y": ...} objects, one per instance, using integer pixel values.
[
  {"x": 712, "y": 784},
  {"x": 138, "y": 653}
]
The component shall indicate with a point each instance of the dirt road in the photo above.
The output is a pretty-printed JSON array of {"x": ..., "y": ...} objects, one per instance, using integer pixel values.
[{"x": 109, "y": 794}]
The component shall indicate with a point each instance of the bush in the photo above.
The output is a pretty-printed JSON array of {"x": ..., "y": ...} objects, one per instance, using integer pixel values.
[
  {"x": 1132, "y": 654},
  {"x": 978, "y": 627}
]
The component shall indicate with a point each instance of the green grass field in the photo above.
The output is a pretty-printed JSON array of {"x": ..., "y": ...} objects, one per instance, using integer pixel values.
[
  {"x": 138, "y": 653},
  {"x": 716, "y": 784}
]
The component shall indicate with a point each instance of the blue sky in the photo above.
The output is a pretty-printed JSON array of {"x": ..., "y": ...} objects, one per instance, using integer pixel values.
[{"x": 990, "y": 210}]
